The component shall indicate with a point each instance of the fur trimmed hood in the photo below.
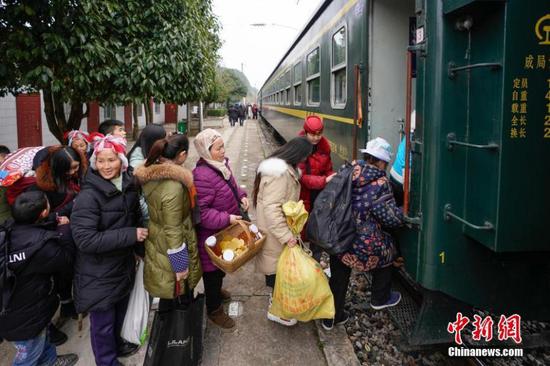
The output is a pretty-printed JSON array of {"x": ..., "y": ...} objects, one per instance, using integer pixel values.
[
  {"x": 44, "y": 176},
  {"x": 276, "y": 167},
  {"x": 164, "y": 171}
]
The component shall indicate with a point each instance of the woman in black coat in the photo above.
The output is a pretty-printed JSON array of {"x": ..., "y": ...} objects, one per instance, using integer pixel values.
[{"x": 105, "y": 222}]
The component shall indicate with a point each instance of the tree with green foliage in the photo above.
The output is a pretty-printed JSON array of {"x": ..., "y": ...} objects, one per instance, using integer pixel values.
[
  {"x": 112, "y": 52},
  {"x": 236, "y": 85}
]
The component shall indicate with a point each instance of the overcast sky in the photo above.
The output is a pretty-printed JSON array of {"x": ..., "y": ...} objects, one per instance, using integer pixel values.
[{"x": 259, "y": 49}]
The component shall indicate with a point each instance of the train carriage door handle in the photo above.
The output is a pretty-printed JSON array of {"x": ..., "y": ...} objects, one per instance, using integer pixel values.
[
  {"x": 452, "y": 141},
  {"x": 448, "y": 215},
  {"x": 453, "y": 69}
]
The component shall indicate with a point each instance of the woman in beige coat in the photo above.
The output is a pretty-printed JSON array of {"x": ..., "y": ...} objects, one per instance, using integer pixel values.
[{"x": 277, "y": 181}]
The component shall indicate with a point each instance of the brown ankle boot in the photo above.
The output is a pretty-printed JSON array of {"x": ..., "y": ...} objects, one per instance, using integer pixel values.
[
  {"x": 225, "y": 295},
  {"x": 221, "y": 319}
]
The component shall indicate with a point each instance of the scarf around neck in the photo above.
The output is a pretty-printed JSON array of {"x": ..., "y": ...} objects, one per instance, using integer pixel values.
[{"x": 203, "y": 142}]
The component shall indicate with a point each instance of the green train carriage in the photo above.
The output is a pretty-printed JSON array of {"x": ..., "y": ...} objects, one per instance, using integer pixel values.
[{"x": 478, "y": 217}]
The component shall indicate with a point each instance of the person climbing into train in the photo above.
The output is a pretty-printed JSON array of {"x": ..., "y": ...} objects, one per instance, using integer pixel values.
[
  {"x": 397, "y": 171},
  {"x": 277, "y": 182},
  {"x": 316, "y": 171},
  {"x": 373, "y": 249}
]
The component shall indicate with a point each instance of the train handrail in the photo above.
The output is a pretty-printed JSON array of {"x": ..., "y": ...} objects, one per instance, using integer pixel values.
[
  {"x": 451, "y": 141},
  {"x": 453, "y": 69},
  {"x": 447, "y": 215}
]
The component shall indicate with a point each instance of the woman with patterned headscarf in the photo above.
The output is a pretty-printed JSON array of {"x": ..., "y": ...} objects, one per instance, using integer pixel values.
[{"x": 106, "y": 229}]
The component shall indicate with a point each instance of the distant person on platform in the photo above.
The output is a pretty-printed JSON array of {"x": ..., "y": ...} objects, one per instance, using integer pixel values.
[
  {"x": 255, "y": 111},
  {"x": 242, "y": 114},
  {"x": 233, "y": 115}
]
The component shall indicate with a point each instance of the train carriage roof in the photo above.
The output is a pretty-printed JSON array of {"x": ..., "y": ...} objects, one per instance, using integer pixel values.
[{"x": 320, "y": 9}]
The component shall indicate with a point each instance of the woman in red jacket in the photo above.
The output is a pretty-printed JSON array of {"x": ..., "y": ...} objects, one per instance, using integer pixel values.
[{"x": 316, "y": 170}]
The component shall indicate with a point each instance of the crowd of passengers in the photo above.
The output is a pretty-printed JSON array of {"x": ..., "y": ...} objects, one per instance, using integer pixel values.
[{"x": 89, "y": 210}]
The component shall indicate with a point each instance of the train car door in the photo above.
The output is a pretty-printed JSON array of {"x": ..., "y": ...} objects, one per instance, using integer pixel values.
[{"x": 389, "y": 37}]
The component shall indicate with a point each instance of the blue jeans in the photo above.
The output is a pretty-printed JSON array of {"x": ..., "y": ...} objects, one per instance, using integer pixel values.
[{"x": 36, "y": 351}]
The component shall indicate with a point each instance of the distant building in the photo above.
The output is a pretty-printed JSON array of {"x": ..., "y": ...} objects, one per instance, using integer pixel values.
[{"x": 23, "y": 122}]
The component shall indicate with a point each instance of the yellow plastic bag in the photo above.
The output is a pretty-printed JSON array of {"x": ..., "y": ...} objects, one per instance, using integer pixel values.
[
  {"x": 301, "y": 290},
  {"x": 296, "y": 215}
]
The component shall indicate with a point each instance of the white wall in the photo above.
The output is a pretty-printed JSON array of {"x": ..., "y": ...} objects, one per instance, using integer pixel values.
[
  {"x": 182, "y": 111},
  {"x": 8, "y": 122}
]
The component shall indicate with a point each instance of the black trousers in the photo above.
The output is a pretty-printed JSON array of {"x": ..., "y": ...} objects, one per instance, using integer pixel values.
[
  {"x": 63, "y": 285},
  {"x": 339, "y": 281},
  {"x": 212, "y": 289},
  {"x": 316, "y": 251},
  {"x": 398, "y": 192},
  {"x": 270, "y": 281}
]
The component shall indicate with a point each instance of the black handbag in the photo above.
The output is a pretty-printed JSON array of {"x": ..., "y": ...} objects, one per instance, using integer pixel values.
[{"x": 177, "y": 334}]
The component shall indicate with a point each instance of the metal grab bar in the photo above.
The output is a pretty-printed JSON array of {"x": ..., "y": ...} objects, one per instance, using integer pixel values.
[
  {"x": 453, "y": 69},
  {"x": 447, "y": 215},
  {"x": 451, "y": 141}
]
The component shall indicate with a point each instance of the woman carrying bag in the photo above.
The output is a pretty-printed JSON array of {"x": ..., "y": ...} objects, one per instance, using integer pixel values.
[
  {"x": 176, "y": 336},
  {"x": 221, "y": 203},
  {"x": 277, "y": 182},
  {"x": 167, "y": 187},
  {"x": 105, "y": 224}
]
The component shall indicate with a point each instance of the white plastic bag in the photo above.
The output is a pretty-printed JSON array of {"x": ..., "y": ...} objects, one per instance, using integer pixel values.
[{"x": 134, "y": 328}]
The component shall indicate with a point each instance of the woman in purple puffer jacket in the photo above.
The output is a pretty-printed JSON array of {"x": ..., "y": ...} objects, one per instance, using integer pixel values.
[{"x": 219, "y": 208}]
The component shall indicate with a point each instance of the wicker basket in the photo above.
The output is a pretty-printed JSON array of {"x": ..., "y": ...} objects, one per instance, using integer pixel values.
[{"x": 237, "y": 230}]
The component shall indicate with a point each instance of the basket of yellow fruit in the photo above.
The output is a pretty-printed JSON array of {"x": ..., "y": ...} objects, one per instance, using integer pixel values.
[{"x": 234, "y": 246}]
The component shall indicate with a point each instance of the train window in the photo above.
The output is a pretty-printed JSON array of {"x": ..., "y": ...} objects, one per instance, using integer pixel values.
[
  {"x": 313, "y": 62},
  {"x": 298, "y": 94},
  {"x": 288, "y": 97},
  {"x": 338, "y": 69},
  {"x": 313, "y": 78},
  {"x": 298, "y": 83}
]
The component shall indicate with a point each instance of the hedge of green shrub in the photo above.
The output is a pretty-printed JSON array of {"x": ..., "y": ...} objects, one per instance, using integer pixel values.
[{"x": 216, "y": 112}]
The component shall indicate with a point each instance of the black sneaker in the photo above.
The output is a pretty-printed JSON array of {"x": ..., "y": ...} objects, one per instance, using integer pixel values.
[
  {"x": 126, "y": 349},
  {"x": 395, "y": 298},
  {"x": 327, "y": 324},
  {"x": 56, "y": 336},
  {"x": 66, "y": 360}
]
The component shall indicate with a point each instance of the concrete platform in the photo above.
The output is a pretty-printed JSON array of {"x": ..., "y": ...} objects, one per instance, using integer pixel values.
[{"x": 255, "y": 340}]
